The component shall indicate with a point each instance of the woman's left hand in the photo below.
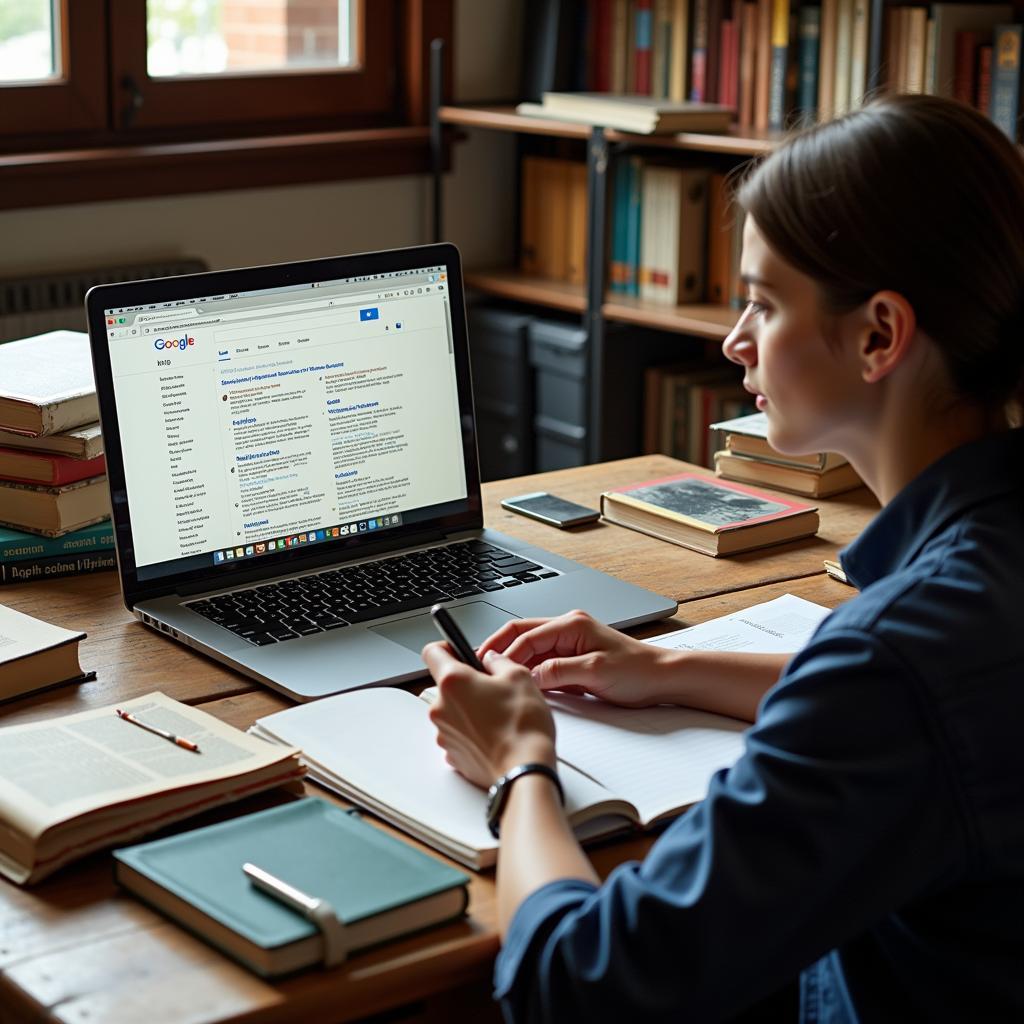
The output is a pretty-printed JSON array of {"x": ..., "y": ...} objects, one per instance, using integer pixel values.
[{"x": 488, "y": 723}]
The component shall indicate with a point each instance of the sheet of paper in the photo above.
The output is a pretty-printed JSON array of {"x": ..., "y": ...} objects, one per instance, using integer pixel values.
[
  {"x": 21, "y": 635},
  {"x": 781, "y": 626}
]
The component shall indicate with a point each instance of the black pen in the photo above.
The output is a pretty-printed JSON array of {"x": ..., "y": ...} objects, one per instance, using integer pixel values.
[{"x": 449, "y": 629}]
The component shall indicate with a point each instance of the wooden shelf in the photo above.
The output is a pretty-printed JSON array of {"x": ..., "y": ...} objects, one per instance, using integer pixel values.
[
  {"x": 511, "y": 284},
  {"x": 737, "y": 141},
  {"x": 702, "y": 320}
]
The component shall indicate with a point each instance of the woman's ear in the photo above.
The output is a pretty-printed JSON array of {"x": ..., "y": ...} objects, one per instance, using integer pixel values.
[{"x": 886, "y": 336}]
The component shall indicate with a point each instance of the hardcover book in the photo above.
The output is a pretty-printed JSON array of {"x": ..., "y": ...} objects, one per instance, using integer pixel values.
[
  {"x": 748, "y": 435},
  {"x": 46, "y": 384},
  {"x": 800, "y": 480},
  {"x": 95, "y": 780},
  {"x": 45, "y": 468},
  {"x": 644, "y": 115},
  {"x": 708, "y": 515},
  {"x": 84, "y": 442},
  {"x": 385, "y": 888},
  {"x": 53, "y": 511},
  {"x": 17, "y": 546},
  {"x": 34, "y": 654}
]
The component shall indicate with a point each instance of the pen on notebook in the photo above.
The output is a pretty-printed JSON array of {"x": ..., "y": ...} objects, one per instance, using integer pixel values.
[{"x": 179, "y": 740}]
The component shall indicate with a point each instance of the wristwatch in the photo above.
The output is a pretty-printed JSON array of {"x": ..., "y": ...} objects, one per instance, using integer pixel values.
[{"x": 497, "y": 795}]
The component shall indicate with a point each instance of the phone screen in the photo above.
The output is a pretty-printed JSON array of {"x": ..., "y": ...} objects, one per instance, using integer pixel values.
[{"x": 550, "y": 508}]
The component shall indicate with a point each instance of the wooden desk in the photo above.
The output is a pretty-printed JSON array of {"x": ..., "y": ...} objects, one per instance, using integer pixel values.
[{"x": 75, "y": 949}]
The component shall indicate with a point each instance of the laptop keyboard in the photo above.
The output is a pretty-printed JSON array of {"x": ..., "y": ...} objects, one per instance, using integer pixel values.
[{"x": 275, "y": 612}]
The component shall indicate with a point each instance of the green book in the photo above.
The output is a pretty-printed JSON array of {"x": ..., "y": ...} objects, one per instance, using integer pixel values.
[{"x": 379, "y": 886}]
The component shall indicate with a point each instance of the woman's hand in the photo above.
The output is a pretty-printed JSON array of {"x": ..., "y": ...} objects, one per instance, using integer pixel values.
[
  {"x": 488, "y": 724},
  {"x": 575, "y": 653}
]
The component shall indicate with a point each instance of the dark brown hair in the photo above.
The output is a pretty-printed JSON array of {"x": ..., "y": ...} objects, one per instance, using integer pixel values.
[{"x": 918, "y": 195}]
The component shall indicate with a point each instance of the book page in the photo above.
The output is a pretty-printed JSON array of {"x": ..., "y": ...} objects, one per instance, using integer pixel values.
[
  {"x": 379, "y": 748},
  {"x": 57, "y": 769},
  {"x": 22, "y": 635},
  {"x": 781, "y": 626}
]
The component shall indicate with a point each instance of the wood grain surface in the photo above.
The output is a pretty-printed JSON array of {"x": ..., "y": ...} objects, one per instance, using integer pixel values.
[{"x": 76, "y": 949}]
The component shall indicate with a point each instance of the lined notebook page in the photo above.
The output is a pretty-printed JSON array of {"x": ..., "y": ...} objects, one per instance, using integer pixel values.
[{"x": 663, "y": 758}]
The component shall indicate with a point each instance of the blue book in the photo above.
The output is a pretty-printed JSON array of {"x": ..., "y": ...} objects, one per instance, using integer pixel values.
[
  {"x": 1005, "y": 100},
  {"x": 634, "y": 215},
  {"x": 809, "y": 38},
  {"x": 379, "y": 886},
  {"x": 16, "y": 546}
]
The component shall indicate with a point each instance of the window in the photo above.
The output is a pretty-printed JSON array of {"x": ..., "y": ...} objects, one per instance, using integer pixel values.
[{"x": 94, "y": 92}]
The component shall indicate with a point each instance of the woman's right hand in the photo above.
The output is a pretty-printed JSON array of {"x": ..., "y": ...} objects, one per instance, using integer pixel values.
[{"x": 575, "y": 653}]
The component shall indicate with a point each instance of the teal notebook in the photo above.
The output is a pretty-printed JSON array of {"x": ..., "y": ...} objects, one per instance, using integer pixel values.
[{"x": 379, "y": 886}]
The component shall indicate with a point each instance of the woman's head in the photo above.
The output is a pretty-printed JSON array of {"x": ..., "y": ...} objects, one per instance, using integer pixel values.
[{"x": 917, "y": 196}]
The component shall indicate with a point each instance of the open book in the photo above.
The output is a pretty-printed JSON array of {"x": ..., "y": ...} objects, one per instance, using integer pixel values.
[
  {"x": 619, "y": 767},
  {"x": 78, "y": 783}
]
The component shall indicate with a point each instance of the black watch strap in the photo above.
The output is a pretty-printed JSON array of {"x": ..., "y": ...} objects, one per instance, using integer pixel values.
[{"x": 497, "y": 795}]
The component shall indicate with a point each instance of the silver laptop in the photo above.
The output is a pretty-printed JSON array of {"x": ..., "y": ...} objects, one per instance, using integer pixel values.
[{"x": 293, "y": 471}]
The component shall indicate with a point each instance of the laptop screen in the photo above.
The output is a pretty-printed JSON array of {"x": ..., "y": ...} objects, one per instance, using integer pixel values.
[{"x": 264, "y": 421}]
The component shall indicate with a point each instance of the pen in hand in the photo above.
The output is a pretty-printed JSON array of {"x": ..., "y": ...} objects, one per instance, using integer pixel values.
[
  {"x": 179, "y": 740},
  {"x": 449, "y": 629}
]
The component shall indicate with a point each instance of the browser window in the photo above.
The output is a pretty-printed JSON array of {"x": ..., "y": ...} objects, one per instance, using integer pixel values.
[{"x": 256, "y": 422}]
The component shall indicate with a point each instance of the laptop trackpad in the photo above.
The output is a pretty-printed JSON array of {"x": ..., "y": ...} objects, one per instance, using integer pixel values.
[{"x": 477, "y": 619}]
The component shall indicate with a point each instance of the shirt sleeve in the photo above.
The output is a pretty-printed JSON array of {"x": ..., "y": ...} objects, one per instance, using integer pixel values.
[{"x": 840, "y": 810}]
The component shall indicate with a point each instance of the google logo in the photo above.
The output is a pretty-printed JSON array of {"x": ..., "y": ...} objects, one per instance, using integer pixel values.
[{"x": 178, "y": 343}]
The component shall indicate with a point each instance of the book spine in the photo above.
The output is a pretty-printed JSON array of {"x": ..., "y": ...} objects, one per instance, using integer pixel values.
[
  {"x": 763, "y": 80},
  {"x": 859, "y": 53},
  {"x": 31, "y": 546},
  {"x": 713, "y": 61},
  {"x": 60, "y": 470},
  {"x": 827, "y": 59},
  {"x": 1006, "y": 78},
  {"x": 748, "y": 57},
  {"x": 649, "y": 271},
  {"x": 965, "y": 67},
  {"x": 809, "y": 34},
  {"x": 529, "y": 255},
  {"x": 617, "y": 264},
  {"x": 634, "y": 226},
  {"x": 678, "y": 72},
  {"x": 620, "y": 44},
  {"x": 601, "y": 52},
  {"x": 844, "y": 46},
  {"x": 719, "y": 243},
  {"x": 642, "y": 38},
  {"x": 27, "y": 570},
  {"x": 780, "y": 48},
  {"x": 984, "y": 98},
  {"x": 931, "y": 68},
  {"x": 688, "y": 230},
  {"x": 916, "y": 44},
  {"x": 577, "y": 248},
  {"x": 699, "y": 55}
]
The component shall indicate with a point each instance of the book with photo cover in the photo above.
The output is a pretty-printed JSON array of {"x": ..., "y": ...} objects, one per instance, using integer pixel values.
[{"x": 708, "y": 515}]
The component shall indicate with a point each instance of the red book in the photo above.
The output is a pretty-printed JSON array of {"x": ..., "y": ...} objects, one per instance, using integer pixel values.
[
  {"x": 642, "y": 37},
  {"x": 42, "y": 468},
  {"x": 601, "y": 45},
  {"x": 984, "y": 101},
  {"x": 965, "y": 66}
]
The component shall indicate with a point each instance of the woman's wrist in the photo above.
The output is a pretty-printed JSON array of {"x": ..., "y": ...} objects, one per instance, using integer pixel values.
[{"x": 527, "y": 750}]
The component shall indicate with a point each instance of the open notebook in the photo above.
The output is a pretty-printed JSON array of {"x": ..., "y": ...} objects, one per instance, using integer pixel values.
[{"x": 620, "y": 767}]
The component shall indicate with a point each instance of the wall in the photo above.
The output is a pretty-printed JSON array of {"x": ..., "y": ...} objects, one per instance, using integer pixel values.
[{"x": 270, "y": 225}]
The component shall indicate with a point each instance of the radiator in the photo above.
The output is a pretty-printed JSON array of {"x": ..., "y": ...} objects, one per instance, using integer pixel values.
[{"x": 48, "y": 302}]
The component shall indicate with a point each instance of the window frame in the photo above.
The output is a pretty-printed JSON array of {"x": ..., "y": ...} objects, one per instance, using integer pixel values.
[{"x": 101, "y": 159}]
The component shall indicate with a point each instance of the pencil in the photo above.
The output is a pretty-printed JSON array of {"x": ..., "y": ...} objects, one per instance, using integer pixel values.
[{"x": 179, "y": 740}]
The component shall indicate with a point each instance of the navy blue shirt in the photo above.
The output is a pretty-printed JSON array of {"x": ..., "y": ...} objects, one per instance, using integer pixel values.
[{"x": 870, "y": 840}]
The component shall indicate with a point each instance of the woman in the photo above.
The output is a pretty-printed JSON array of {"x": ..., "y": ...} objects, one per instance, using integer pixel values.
[{"x": 866, "y": 854}]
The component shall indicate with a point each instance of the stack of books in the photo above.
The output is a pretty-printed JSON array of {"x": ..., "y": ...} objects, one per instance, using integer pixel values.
[
  {"x": 54, "y": 502},
  {"x": 749, "y": 458}
]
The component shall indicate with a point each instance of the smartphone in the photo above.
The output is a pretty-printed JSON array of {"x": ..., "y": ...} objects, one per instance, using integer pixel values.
[
  {"x": 550, "y": 509},
  {"x": 449, "y": 629}
]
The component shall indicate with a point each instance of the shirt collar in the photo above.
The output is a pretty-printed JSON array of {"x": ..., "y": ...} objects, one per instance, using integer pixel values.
[{"x": 967, "y": 476}]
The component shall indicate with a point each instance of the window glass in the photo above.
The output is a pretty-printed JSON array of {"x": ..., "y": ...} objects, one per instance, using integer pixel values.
[
  {"x": 28, "y": 41},
  {"x": 207, "y": 37}
]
